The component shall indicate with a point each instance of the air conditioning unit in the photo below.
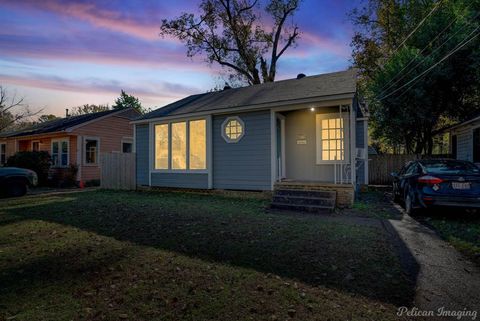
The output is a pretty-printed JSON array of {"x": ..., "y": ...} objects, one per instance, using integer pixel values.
[{"x": 361, "y": 153}]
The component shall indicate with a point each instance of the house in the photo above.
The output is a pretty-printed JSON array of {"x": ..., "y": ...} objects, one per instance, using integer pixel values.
[
  {"x": 465, "y": 140},
  {"x": 75, "y": 140},
  {"x": 309, "y": 130}
]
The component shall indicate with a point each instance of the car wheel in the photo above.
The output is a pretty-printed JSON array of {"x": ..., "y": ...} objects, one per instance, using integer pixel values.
[
  {"x": 409, "y": 204},
  {"x": 17, "y": 189}
]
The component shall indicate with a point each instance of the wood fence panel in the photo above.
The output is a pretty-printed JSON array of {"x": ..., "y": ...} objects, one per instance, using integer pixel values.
[
  {"x": 118, "y": 171},
  {"x": 381, "y": 166}
]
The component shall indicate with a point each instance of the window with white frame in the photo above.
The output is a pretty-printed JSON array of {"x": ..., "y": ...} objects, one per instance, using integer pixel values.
[
  {"x": 330, "y": 138},
  {"x": 59, "y": 152},
  {"x": 181, "y": 145},
  {"x": 127, "y": 145},
  {"x": 233, "y": 129},
  {"x": 91, "y": 151},
  {"x": 3, "y": 153}
]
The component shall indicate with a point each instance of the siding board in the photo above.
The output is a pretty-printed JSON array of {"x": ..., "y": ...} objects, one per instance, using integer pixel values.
[
  {"x": 142, "y": 153},
  {"x": 245, "y": 165},
  {"x": 183, "y": 180}
]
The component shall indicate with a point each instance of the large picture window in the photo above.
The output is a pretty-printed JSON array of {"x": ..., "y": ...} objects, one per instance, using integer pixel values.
[
  {"x": 330, "y": 138},
  {"x": 181, "y": 145},
  {"x": 60, "y": 153}
]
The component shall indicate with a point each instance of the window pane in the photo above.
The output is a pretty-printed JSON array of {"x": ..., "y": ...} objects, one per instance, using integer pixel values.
[
  {"x": 91, "y": 148},
  {"x": 126, "y": 147},
  {"x": 64, "y": 159},
  {"x": 54, "y": 147},
  {"x": 325, "y": 155},
  {"x": 324, "y": 123},
  {"x": 332, "y": 134},
  {"x": 198, "y": 144},
  {"x": 161, "y": 146},
  {"x": 55, "y": 159},
  {"x": 331, "y": 123},
  {"x": 64, "y": 147},
  {"x": 179, "y": 145},
  {"x": 325, "y": 144},
  {"x": 233, "y": 129}
]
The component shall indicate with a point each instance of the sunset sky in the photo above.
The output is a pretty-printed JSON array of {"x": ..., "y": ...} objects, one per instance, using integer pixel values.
[{"x": 60, "y": 54}]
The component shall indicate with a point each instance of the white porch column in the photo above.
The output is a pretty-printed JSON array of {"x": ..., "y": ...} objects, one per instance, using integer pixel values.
[
  {"x": 353, "y": 151},
  {"x": 273, "y": 148}
]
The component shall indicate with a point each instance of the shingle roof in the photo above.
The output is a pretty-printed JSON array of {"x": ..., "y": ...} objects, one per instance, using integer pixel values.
[
  {"x": 57, "y": 125},
  {"x": 337, "y": 83}
]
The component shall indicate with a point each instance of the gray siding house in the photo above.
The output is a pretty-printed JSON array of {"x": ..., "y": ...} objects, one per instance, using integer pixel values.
[
  {"x": 465, "y": 140},
  {"x": 309, "y": 129}
]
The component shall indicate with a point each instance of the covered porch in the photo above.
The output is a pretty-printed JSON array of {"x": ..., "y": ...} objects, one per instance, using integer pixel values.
[{"x": 315, "y": 149}]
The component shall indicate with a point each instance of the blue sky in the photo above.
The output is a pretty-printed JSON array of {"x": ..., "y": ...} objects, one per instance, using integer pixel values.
[{"x": 60, "y": 54}]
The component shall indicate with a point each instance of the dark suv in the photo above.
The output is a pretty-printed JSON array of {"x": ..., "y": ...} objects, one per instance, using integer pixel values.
[{"x": 15, "y": 181}]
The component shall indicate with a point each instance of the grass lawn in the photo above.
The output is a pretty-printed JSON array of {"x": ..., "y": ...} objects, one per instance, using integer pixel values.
[{"x": 108, "y": 255}]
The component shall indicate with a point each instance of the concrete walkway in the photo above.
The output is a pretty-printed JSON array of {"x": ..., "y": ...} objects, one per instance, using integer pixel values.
[{"x": 445, "y": 278}]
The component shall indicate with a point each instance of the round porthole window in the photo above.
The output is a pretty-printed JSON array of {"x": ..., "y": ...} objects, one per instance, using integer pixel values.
[{"x": 233, "y": 129}]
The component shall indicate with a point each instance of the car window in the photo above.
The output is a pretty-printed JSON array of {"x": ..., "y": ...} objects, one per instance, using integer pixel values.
[
  {"x": 450, "y": 167},
  {"x": 413, "y": 169}
]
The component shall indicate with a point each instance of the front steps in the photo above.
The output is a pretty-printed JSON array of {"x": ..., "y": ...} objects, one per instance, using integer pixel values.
[{"x": 305, "y": 200}]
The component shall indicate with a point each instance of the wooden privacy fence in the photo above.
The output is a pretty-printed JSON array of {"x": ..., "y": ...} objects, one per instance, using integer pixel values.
[
  {"x": 381, "y": 166},
  {"x": 117, "y": 171}
]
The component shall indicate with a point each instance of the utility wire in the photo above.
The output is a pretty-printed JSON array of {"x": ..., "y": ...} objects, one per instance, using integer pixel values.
[
  {"x": 463, "y": 43},
  {"x": 419, "y": 63},
  {"x": 418, "y": 54},
  {"x": 418, "y": 26}
]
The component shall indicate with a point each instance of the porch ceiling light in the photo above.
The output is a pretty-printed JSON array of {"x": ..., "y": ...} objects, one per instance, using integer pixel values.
[{"x": 312, "y": 109}]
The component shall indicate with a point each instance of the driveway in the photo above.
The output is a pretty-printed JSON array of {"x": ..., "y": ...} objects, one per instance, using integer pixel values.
[{"x": 445, "y": 278}]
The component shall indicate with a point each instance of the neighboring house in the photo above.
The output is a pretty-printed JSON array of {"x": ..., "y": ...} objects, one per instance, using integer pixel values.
[
  {"x": 309, "y": 129},
  {"x": 465, "y": 140},
  {"x": 75, "y": 140}
]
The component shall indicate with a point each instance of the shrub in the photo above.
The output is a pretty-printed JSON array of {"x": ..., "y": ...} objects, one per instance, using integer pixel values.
[
  {"x": 39, "y": 162},
  {"x": 70, "y": 177}
]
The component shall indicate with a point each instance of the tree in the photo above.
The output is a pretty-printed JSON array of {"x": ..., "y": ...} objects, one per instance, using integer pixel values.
[
  {"x": 231, "y": 34},
  {"x": 419, "y": 63},
  {"x": 13, "y": 110},
  {"x": 45, "y": 118},
  {"x": 128, "y": 101},
  {"x": 88, "y": 109}
]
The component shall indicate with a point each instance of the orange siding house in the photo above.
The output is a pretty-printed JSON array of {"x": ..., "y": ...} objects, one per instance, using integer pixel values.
[{"x": 76, "y": 140}]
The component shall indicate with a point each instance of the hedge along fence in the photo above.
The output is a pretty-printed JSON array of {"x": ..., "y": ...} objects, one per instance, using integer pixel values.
[{"x": 381, "y": 166}]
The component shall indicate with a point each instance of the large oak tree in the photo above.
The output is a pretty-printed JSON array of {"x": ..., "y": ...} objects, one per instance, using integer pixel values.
[{"x": 233, "y": 34}]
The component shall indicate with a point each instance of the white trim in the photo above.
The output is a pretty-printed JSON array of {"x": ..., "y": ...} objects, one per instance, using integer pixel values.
[
  {"x": 321, "y": 101},
  {"x": 59, "y": 141},
  {"x": 273, "y": 149},
  {"x": 318, "y": 140},
  {"x": 128, "y": 140},
  {"x": 151, "y": 148},
  {"x": 224, "y": 125},
  {"x": 84, "y": 148},
  {"x": 353, "y": 143},
  {"x": 34, "y": 141},
  {"x": 210, "y": 151},
  {"x": 282, "y": 134},
  {"x": 70, "y": 129}
]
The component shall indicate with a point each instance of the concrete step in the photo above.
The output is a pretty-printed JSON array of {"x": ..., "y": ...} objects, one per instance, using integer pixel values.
[
  {"x": 305, "y": 193},
  {"x": 302, "y": 208},
  {"x": 305, "y": 200}
]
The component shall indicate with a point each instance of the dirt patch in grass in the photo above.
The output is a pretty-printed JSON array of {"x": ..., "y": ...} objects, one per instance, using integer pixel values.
[{"x": 168, "y": 256}]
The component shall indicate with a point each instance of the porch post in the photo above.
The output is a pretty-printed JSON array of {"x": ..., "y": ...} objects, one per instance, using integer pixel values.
[
  {"x": 273, "y": 148},
  {"x": 353, "y": 151}
]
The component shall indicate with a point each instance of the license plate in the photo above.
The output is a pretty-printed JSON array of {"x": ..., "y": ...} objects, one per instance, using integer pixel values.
[{"x": 458, "y": 185}]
